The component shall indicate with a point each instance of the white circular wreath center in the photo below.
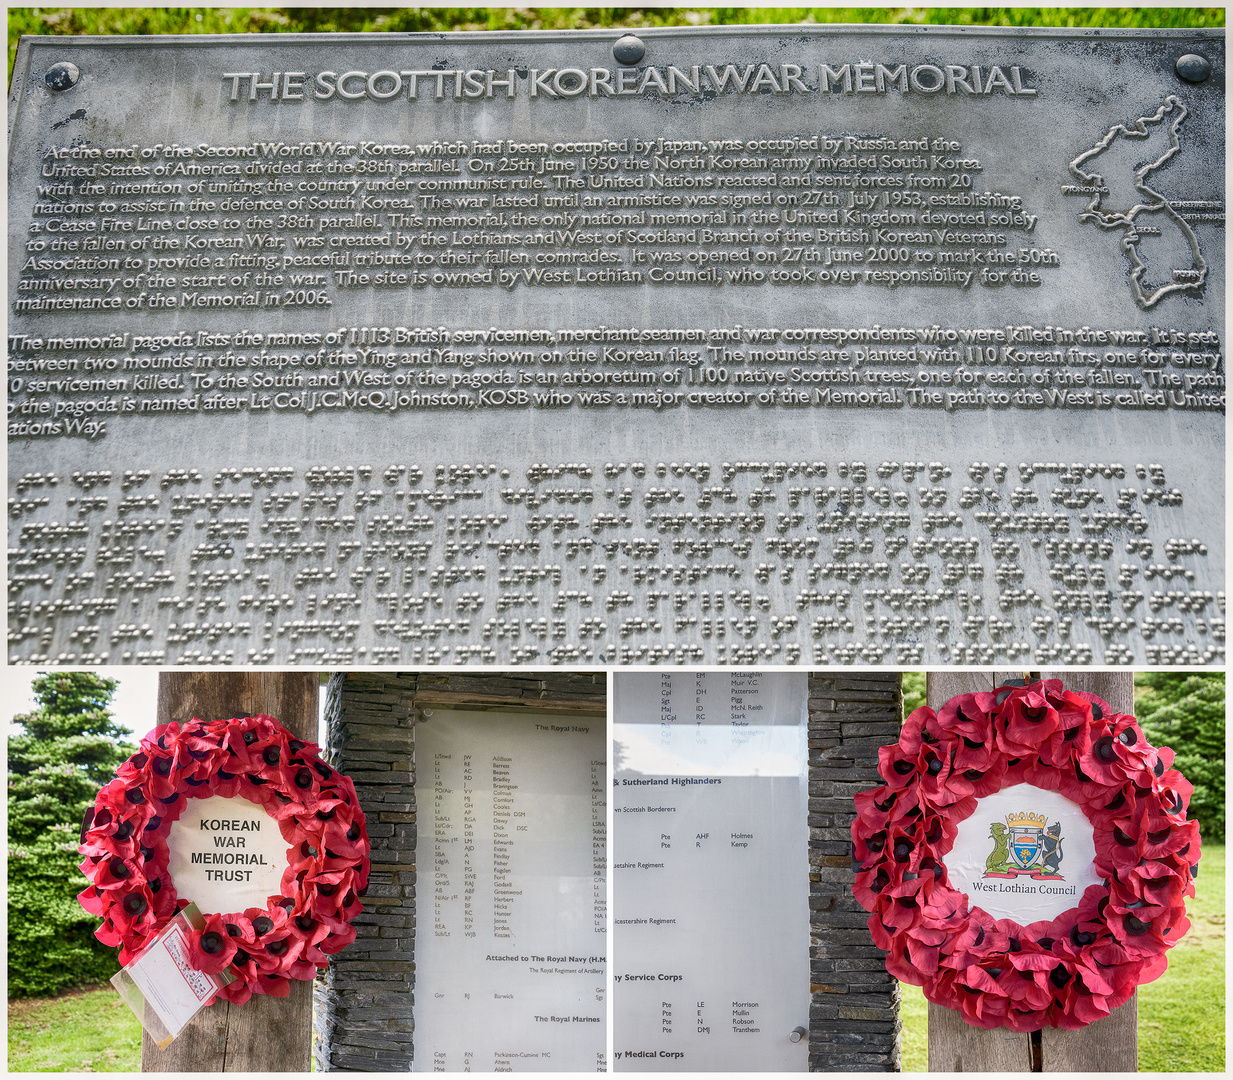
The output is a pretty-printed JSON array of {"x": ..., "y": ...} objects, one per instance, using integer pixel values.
[
  {"x": 226, "y": 855},
  {"x": 1026, "y": 854}
]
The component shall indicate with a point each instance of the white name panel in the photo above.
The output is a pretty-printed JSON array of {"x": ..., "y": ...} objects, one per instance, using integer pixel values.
[
  {"x": 511, "y": 936},
  {"x": 226, "y": 855},
  {"x": 711, "y": 891}
]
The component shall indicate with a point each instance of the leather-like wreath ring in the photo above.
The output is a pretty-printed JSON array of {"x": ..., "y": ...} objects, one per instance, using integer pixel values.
[
  {"x": 1065, "y": 972},
  {"x": 124, "y": 841}
]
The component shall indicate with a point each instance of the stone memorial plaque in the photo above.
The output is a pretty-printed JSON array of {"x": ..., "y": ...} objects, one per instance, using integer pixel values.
[
  {"x": 511, "y": 935},
  {"x": 226, "y": 855},
  {"x": 711, "y": 886},
  {"x": 725, "y": 345}
]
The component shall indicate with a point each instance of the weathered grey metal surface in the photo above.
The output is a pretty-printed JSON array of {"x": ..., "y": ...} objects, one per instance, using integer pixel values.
[{"x": 950, "y": 304}]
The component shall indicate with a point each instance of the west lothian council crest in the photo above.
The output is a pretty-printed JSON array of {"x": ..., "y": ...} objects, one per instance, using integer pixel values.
[{"x": 1025, "y": 845}]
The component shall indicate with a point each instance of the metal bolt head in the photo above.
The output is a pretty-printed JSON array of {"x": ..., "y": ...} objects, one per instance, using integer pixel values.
[
  {"x": 62, "y": 76},
  {"x": 628, "y": 49},
  {"x": 1193, "y": 68}
]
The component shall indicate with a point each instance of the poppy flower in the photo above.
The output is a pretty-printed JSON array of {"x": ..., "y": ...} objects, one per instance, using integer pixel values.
[
  {"x": 319, "y": 817},
  {"x": 1026, "y": 719},
  {"x": 1064, "y": 972}
]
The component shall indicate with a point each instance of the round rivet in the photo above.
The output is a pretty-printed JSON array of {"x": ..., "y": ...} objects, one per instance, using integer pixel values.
[
  {"x": 64, "y": 76},
  {"x": 1192, "y": 67},
  {"x": 629, "y": 50}
]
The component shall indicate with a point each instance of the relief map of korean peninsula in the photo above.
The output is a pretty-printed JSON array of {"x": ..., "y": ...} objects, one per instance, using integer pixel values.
[{"x": 1163, "y": 250}]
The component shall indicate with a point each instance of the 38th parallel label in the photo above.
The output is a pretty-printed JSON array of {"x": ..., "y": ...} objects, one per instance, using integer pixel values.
[{"x": 226, "y": 855}]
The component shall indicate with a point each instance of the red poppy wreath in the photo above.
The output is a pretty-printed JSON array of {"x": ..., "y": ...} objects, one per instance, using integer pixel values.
[
  {"x": 1065, "y": 971},
  {"x": 255, "y": 758}
]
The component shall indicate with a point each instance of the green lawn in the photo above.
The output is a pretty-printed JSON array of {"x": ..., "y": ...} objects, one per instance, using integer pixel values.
[
  {"x": 1181, "y": 1014},
  {"x": 153, "y": 20},
  {"x": 86, "y": 1031}
]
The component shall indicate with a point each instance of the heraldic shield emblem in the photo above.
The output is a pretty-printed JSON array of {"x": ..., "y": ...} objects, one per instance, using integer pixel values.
[{"x": 1025, "y": 844}]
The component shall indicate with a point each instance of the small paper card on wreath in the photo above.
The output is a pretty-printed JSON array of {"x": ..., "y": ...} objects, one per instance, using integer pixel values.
[{"x": 160, "y": 984}]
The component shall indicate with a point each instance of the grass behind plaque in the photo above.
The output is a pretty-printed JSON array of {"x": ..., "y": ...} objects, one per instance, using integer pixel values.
[
  {"x": 85, "y": 1031},
  {"x": 58, "y": 20}
]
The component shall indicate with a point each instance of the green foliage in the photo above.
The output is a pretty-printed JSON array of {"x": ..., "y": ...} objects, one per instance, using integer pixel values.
[
  {"x": 90, "y": 1032},
  {"x": 51, "y": 937},
  {"x": 1185, "y": 711},
  {"x": 67, "y": 751},
  {"x": 1025, "y": 16},
  {"x": 913, "y": 692},
  {"x": 86, "y": 20}
]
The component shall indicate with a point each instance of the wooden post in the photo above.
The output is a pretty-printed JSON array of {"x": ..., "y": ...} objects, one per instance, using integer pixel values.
[
  {"x": 1109, "y": 1045},
  {"x": 265, "y": 1034},
  {"x": 953, "y": 1045}
]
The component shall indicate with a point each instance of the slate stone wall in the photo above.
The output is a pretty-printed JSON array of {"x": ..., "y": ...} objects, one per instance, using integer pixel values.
[
  {"x": 364, "y": 1004},
  {"x": 854, "y": 1015}
]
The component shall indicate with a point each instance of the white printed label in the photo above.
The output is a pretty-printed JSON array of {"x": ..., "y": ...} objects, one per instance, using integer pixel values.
[
  {"x": 170, "y": 984},
  {"x": 226, "y": 855}
]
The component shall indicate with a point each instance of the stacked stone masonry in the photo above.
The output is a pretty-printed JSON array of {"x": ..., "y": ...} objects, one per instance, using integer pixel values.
[
  {"x": 364, "y": 1004},
  {"x": 854, "y": 1013}
]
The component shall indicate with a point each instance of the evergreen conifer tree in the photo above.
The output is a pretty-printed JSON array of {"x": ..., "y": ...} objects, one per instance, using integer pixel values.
[
  {"x": 1185, "y": 711},
  {"x": 69, "y": 748}
]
